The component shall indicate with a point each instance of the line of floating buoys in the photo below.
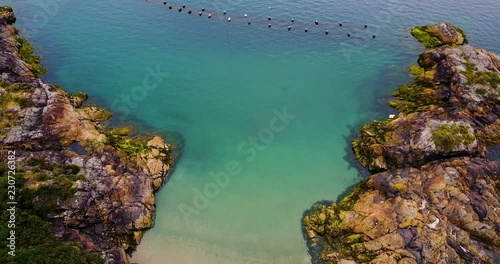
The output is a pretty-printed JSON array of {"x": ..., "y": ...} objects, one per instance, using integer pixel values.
[{"x": 246, "y": 17}]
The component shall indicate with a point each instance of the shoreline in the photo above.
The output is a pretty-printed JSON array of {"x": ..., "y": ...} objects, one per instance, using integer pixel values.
[{"x": 90, "y": 184}]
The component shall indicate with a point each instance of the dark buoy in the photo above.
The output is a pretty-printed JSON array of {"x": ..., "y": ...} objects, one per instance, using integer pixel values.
[
  {"x": 326, "y": 32},
  {"x": 305, "y": 30},
  {"x": 169, "y": 7},
  {"x": 189, "y": 12},
  {"x": 180, "y": 9},
  {"x": 316, "y": 22},
  {"x": 374, "y": 36},
  {"x": 289, "y": 28},
  {"x": 268, "y": 18},
  {"x": 293, "y": 20},
  {"x": 348, "y": 34},
  {"x": 340, "y": 24},
  {"x": 183, "y": 6},
  {"x": 202, "y": 9},
  {"x": 366, "y": 26},
  {"x": 164, "y": 3},
  {"x": 269, "y": 26},
  {"x": 249, "y": 23},
  {"x": 199, "y": 14}
]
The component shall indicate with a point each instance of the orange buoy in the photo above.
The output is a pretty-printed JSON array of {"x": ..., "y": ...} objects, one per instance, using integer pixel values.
[{"x": 209, "y": 15}]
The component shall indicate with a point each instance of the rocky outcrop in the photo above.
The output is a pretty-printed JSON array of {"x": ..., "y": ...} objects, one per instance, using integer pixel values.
[
  {"x": 117, "y": 175},
  {"x": 435, "y": 198},
  {"x": 454, "y": 87}
]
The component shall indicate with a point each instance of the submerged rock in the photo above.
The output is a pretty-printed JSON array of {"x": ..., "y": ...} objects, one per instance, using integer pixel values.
[{"x": 436, "y": 198}]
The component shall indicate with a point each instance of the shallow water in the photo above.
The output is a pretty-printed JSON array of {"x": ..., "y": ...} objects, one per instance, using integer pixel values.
[{"x": 220, "y": 84}]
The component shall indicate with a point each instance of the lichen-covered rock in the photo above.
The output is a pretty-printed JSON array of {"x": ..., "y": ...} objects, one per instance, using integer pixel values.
[{"x": 114, "y": 200}]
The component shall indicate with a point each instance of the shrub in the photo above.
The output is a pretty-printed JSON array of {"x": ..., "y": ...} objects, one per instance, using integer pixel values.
[
  {"x": 447, "y": 137},
  {"x": 26, "y": 52},
  {"x": 35, "y": 242}
]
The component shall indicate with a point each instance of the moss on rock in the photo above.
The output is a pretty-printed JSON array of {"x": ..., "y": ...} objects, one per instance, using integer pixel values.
[
  {"x": 433, "y": 36},
  {"x": 7, "y": 13},
  {"x": 27, "y": 54},
  {"x": 338, "y": 242},
  {"x": 426, "y": 36},
  {"x": 448, "y": 136},
  {"x": 489, "y": 79},
  {"x": 129, "y": 147},
  {"x": 77, "y": 99},
  {"x": 368, "y": 146}
]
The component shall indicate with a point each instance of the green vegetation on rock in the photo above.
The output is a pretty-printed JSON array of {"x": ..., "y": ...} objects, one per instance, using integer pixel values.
[
  {"x": 427, "y": 36},
  {"x": 448, "y": 136},
  {"x": 5, "y": 10},
  {"x": 130, "y": 147},
  {"x": 433, "y": 36},
  {"x": 417, "y": 96},
  {"x": 490, "y": 79},
  {"x": 12, "y": 96},
  {"x": 35, "y": 242},
  {"x": 77, "y": 99},
  {"x": 416, "y": 70},
  {"x": 26, "y": 52},
  {"x": 368, "y": 146},
  {"x": 326, "y": 221}
]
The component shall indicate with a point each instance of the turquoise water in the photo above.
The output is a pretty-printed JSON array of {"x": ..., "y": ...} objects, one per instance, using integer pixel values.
[{"x": 222, "y": 83}]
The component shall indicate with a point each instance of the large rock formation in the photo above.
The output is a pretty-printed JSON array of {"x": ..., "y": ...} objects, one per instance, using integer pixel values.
[
  {"x": 116, "y": 175},
  {"x": 436, "y": 199}
]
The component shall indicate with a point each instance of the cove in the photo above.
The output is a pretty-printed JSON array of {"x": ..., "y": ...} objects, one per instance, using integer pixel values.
[{"x": 224, "y": 81}]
